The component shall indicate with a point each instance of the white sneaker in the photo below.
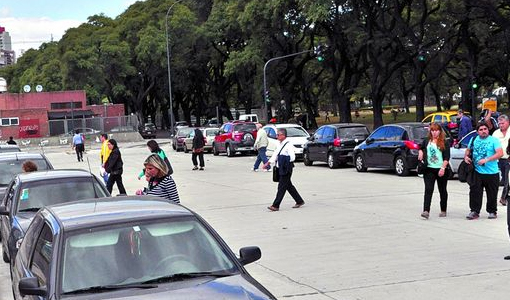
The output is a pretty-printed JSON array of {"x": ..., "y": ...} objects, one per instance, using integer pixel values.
[{"x": 255, "y": 170}]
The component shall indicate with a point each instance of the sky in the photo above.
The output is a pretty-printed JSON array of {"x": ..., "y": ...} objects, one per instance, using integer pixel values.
[{"x": 32, "y": 22}]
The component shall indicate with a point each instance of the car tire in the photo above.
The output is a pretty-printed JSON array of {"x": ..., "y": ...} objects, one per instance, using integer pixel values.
[
  {"x": 306, "y": 159},
  {"x": 230, "y": 151},
  {"x": 173, "y": 147},
  {"x": 5, "y": 257},
  {"x": 216, "y": 152},
  {"x": 185, "y": 148},
  {"x": 359, "y": 163},
  {"x": 400, "y": 166},
  {"x": 332, "y": 163}
]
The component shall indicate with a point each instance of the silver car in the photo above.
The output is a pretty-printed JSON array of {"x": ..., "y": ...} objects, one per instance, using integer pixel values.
[
  {"x": 209, "y": 134},
  {"x": 457, "y": 151}
]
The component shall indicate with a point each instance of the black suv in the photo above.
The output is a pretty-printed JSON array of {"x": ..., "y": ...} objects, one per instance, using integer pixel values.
[
  {"x": 334, "y": 144},
  {"x": 393, "y": 146}
]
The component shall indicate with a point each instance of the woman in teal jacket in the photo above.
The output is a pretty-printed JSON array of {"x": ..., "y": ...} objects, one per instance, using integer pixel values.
[{"x": 155, "y": 149}]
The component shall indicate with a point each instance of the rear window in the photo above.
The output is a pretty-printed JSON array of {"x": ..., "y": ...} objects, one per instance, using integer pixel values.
[
  {"x": 353, "y": 132},
  {"x": 184, "y": 131},
  {"x": 245, "y": 127},
  {"x": 11, "y": 168},
  {"x": 419, "y": 133}
]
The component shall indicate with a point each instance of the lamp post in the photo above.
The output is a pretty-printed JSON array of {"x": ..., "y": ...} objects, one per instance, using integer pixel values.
[{"x": 168, "y": 66}]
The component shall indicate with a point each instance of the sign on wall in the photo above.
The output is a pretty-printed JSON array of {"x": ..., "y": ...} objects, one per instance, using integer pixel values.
[{"x": 29, "y": 128}]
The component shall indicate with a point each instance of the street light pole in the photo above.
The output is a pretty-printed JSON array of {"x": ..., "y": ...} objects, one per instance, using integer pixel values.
[
  {"x": 168, "y": 66},
  {"x": 266, "y": 112}
]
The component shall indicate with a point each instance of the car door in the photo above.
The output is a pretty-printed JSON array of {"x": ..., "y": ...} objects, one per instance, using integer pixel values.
[
  {"x": 222, "y": 136},
  {"x": 7, "y": 219},
  {"x": 393, "y": 141},
  {"x": 313, "y": 145},
  {"x": 326, "y": 142},
  {"x": 371, "y": 149}
]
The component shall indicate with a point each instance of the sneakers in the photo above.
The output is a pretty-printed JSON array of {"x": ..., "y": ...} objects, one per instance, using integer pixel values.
[
  {"x": 255, "y": 170},
  {"x": 472, "y": 216},
  {"x": 201, "y": 168},
  {"x": 194, "y": 168},
  {"x": 492, "y": 216},
  {"x": 425, "y": 214},
  {"x": 442, "y": 214}
]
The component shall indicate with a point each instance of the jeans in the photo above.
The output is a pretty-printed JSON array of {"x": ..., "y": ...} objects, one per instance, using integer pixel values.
[
  {"x": 491, "y": 183},
  {"x": 429, "y": 177},
  {"x": 261, "y": 157},
  {"x": 504, "y": 167}
]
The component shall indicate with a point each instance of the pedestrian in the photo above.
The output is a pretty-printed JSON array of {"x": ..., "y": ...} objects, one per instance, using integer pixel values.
[
  {"x": 104, "y": 154},
  {"x": 435, "y": 154},
  {"x": 161, "y": 184},
  {"x": 503, "y": 135},
  {"x": 508, "y": 209},
  {"x": 260, "y": 145},
  {"x": 78, "y": 145},
  {"x": 155, "y": 149},
  {"x": 198, "y": 150},
  {"x": 29, "y": 166},
  {"x": 283, "y": 159},
  {"x": 327, "y": 117},
  {"x": 11, "y": 141},
  {"x": 465, "y": 125},
  {"x": 486, "y": 151},
  {"x": 114, "y": 167}
]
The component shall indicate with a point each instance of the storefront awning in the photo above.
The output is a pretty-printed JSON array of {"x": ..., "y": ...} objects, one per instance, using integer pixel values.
[{"x": 57, "y": 115}]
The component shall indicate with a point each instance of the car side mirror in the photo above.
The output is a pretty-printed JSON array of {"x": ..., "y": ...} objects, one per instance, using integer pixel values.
[
  {"x": 30, "y": 286},
  {"x": 369, "y": 140},
  {"x": 3, "y": 210},
  {"x": 249, "y": 254}
]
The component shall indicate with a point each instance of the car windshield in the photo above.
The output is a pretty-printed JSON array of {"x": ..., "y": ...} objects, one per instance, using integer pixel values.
[
  {"x": 34, "y": 195},
  {"x": 353, "y": 132},
  {"x": 245, "y": 127},
  {"x": 11, "y": 168},
  {"x": 296, "y": 132},
  {"x": 140, "y": 252},
  {"x": 13, "y": 148}
]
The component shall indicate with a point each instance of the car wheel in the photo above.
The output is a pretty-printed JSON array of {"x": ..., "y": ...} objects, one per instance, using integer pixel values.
[
  {"x": 401, "y": 166},
  {"x": 332, "y": 163},
  {"x": 359, "y": 163},
  {"x": 306, "y": 159},
  {"x": 230, "y": 151},
  {"x": 5, "y": 257},
  {"x": 186, "y": 149},
  {"x": 173, "y": 147},
  {"x": 216, "y": 152}
]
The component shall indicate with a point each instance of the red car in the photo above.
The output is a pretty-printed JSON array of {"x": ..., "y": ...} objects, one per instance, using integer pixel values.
[{"x": 236, "y": 136}]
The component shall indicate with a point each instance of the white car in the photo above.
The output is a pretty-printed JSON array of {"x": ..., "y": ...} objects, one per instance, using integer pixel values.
[
  {"x": 457, "y": 151},
  {"x": 296, "y": 134},
  {"x": 209, "y": 135}
]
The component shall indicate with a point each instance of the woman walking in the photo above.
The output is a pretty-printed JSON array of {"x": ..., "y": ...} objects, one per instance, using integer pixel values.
[
  {"x": 113, "y": 166},
  {"x": 435, "y": 153},
  {"x": 161, "y": 183},
  {"x": 155, "y": 149},
  {"x": 198, "y": 150}
]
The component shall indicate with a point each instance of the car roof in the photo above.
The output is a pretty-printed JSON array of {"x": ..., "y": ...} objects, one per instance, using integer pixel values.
[
  {"x": 10, "y": 156},
  {"x": 8, "y": 146},
  {"x": 53, "y": 174},
  {"x": 114, "y": 210},
  {"x": 286, "y": 125},
  {"x": 341, "y": 125},
  {"x": 409, "y": 124}
]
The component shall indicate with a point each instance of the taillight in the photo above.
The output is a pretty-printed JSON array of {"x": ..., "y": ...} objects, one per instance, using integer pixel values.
[
  {"x": 411, "y": 145},
  {"x": 452, "y": 125},
  {"x": 337, "y": 142}
]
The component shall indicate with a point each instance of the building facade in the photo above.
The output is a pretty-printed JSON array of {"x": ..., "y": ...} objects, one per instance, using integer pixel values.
[{"x": 7, "y": 55}]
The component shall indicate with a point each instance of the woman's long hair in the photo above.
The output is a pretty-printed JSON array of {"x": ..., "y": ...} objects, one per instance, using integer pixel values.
[
  {"x": 440, "y": 139},
  {"x": 157, "y": 163},
  {"x": 154, "y": 146}
]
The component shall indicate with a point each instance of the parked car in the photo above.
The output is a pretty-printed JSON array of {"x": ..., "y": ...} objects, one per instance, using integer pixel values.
[
  {"x": 296, "y": 134},
  {"x": 148, "y": 131},
  {"x": 393, "y": 146},
  {"x": 209, "y": 135},
  {"x": 235, "y": 136},
  {"x": 9, "y": 148},
  {"x": 334, "y": 144},
  {"x": 457, "y": 151},
  {"x": 178, "y": 138},
  {"x": 133, "y": 247},
  {"x": 28, "y": 192},
  {"x": 447, "y": 119}
]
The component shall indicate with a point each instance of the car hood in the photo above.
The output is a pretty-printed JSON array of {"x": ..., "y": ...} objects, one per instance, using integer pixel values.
[{"x": 235, "y": 287}]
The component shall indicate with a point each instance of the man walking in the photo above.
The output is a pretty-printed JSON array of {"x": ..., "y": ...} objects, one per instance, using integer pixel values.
[
  {"x": 465, "y": 125},
  {"x": 260, "y": 145},
  {"x": 283, "y": 158},
  {"x": 486, "y": 153},
  {"x": 503, "y": 135},
  {"x": 105, "y": 152},
  {"x": 11, "y": 141},
  {"x": 78, "y": 145}
]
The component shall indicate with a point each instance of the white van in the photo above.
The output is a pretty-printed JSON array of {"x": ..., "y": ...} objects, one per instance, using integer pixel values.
[{"x": 249, "y": 118}]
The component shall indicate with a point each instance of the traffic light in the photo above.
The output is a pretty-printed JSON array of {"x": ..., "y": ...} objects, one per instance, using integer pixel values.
[
  {"x": 266, "y": 96},
  {"x": 422, "y": 56},
  {"x": 319, "y": 53},
  {"x": 474, "y": 85}
]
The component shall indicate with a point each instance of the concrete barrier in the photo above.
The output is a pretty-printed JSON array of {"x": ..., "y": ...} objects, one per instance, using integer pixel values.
[{"x": 90, "y": 140}]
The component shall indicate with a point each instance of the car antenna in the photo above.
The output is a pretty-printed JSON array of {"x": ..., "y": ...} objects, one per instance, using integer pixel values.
[{"x": 88, "y": 163}]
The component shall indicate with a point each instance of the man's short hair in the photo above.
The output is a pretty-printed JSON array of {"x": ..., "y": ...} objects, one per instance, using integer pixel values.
[
  {"x": 282, "y": 131},
  {"x": 460, "y": 111},
  {"x": 480, "y": 124},
  {"x": 503, "y": 117}
]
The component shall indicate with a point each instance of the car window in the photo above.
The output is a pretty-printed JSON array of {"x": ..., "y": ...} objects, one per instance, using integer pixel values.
[
  {"x": 438, "y": 119},
  {"x": 184, "y": 131},
  {"x": 319, "y": 133},
  {"x": 271, "y": 133},
  {"x": 329, "y": 134},
  {"x": 13, "y": 167},
  {"x": 227, "y": 127},
  {"x": 10, "y": 195},
  {"x": 33, "y": 195},
  {"x": 418, "y": 133},
  {"x": 211, "y": 132},
  {"x": 427, "y": 119},
  {"x": 140, "y": 251},
  {"x": 40, "y": 263},
  {"x": 453, "y": 119},
  {"x": 246, "y": 127},
  {"x": 26, "y": 249},
  {"x": 464, "y": 143},
  {"x": 379, "y": 134},
  {"x": 353, "y": 132},
  {"x": 394, "y": 133},
  {"x": 296, "y": 132}
]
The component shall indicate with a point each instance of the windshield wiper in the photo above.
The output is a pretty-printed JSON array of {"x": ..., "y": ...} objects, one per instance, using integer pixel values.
[
  {"x": 102, "y": 288},
  {"x": 181, "y": 276},
  {"x": 30, "y": 209}
]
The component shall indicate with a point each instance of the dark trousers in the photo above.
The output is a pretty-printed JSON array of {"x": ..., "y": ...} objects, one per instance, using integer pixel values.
[
  {"x": 261, "y": 157},
  {"x": 504, "y": 167},
  {"x": 115, "y": 179},
  {"x": 491, "y": 183},
  {"x": 200, "y": 157},
  {"x": 79, "y": 148},
  {"x": 430, "y": 176},
  {"x": 285, "y": 185}
]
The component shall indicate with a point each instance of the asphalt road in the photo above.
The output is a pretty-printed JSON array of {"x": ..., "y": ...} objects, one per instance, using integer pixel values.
[{"x": 359, "y": 236}]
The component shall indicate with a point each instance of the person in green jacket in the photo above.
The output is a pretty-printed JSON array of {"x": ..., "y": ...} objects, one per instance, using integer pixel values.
[{"x": 155, "y": 149}]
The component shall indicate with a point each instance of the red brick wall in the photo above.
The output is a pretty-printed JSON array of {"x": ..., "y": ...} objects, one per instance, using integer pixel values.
[{"x": 10, "y": 101}]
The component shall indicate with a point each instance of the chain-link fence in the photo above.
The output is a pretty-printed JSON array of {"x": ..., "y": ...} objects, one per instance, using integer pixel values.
[{"x": 93, "y": 125}]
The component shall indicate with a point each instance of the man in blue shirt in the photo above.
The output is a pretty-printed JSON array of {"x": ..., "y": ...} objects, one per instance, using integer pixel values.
[
  {"x": 486, "y": 151},
  {"x": 465, "y": 125},
  {"x": 78, "y": 145}
]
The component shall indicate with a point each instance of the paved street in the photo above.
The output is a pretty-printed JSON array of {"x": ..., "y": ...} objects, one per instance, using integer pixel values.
[{"x": 359, "y": 236}]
